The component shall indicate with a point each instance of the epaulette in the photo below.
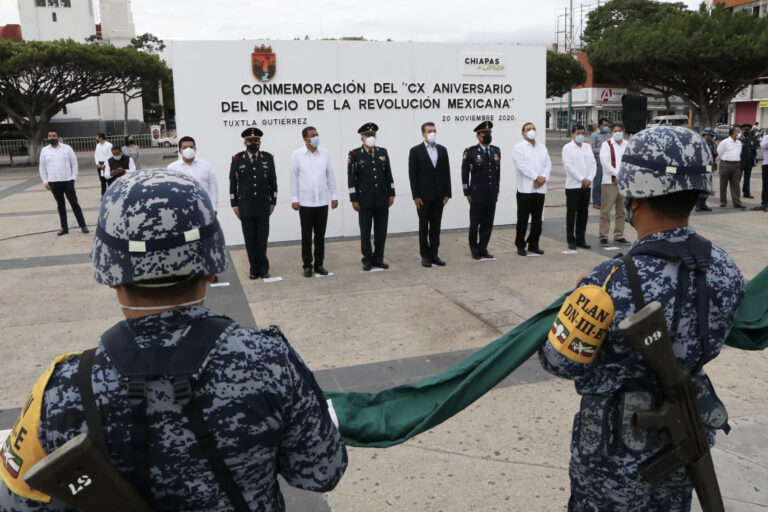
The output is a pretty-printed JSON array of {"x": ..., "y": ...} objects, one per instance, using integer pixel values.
[
  {"x": 267, "y": 153},
  {"x": 234, "y": 157}
]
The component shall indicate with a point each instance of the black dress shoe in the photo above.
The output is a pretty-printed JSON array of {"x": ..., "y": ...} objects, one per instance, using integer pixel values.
[
  {"x": 307, "y": 272},
  {"x": 85, "y": 229},
  {"x": 426, "y": 262},
  {"x": 603, "y": 241},
  {"x": 583, "y": 245},
  {"x": 488, "y": 255},
  {"x": 622, "y": 240},
  {"x": 62, "y": 232},
  {"x": 321, "y": 270},
  {"x": 749, "y": 197},
  {"x": 522, "y": 252},
  {"x": 215, "y": 279},
  {"x": 761, "y": 208},
  {"x": 740, "y": 207},
  {"x": 704, "y": 208},
  {"x": 535, "y": 250},
  {"x": 476, "y": 257},
  {"x": 265, "y": 276},
  {"x": 437, "y": 261},
  {"x": 572, "y": 246},
  {"x": 253, "y": 276},
  {"x": 367, "y": 266},
  {"x": 381, "y": 264}
]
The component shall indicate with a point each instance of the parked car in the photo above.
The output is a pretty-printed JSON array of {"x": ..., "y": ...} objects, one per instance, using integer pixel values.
[
  {"x": 722, "y": 130},
  {"x": 168, "y": 142},
  {"x": 670, "y": 120}
]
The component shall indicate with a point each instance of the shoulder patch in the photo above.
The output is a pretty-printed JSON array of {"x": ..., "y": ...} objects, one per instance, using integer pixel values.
[
  {"x": 22, "y": 449},
  {"x": 582, "y": 323}
]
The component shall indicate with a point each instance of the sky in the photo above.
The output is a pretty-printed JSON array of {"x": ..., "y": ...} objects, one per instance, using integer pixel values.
[{"x": 489, "y": 21}]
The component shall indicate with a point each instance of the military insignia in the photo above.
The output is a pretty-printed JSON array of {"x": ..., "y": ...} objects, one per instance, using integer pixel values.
[
  {"x": 11, "y": 461},
  {"x": 496, "y": 157},
  {"x": 383, "y": 158},
  {"x": 582, "y": 348},
  {"x": 479, "y": 158},
  {"x": 582, "y": 324},
  {"x": 263, "y": 63}
]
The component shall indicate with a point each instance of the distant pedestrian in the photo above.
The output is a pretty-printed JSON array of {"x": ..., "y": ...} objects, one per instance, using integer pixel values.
[
  {"x": 102, "y": 153},
  {"x": 764, "y": 196},
  {"x": 313, "y": 186},
  {"x": 602, "y": 134},
  {"x": 610, "y": 158},
  {"x": 132, "y": 150},
  {"x": 117, "y": 165},
  {"x": 580, "y": 168},
  {"x": 58, "y": 170},
  {"x": 748, "y": 158},
  {"x": 430, "y": 174},
  {"x": 533, "y": 169},
  {"x": 709, "y": 137},
  {"x": 729, "y": 151},
  {"x": 198, "y": 168}
]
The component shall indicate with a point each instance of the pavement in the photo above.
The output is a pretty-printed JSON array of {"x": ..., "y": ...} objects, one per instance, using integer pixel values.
[{"x": 361, "y": 331}]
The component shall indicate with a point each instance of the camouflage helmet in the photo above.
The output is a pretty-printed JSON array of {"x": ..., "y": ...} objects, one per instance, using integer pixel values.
[
  {"x": 156, "y": 223},
  {"x": 663, "y": 160},
  {"x": 710, "y": 131}
]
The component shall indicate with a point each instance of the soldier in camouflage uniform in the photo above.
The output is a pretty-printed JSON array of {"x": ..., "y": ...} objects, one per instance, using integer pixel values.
[
  {"x": 662, "y": 172},
  {"x": 158, "y": 244}
]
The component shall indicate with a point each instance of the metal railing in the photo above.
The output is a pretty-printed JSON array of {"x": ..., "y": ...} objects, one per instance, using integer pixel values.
[{"x": 18, "y": 147}]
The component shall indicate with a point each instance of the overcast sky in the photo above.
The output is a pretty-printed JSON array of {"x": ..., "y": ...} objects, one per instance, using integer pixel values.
[{"x": 503, "y": 21}]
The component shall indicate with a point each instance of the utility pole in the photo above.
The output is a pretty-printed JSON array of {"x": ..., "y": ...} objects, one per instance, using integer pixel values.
[{"x": 570, "y": 52}]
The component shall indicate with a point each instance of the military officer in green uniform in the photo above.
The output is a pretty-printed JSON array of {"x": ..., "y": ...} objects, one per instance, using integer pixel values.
[
  {"x": 372, "y": 192},
  {"x": 253, "y": 195}
]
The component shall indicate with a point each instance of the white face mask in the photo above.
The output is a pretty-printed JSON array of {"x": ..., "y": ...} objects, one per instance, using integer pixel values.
[
  {"x": 432, "y": 137},
  {"x": 188, "y": 153},
  {"x": 618, "y": 136},
  {"x": 532, "y": 134},
  {"x": 370, "y": 142}
]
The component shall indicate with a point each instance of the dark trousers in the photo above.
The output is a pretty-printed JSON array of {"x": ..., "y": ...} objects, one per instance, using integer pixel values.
[
  {"x": 764, "y": 196},
  {"x": 746, "y": 174},
  {"x": 529, "y": 205},
  {"x": 66, "y": 188},
  {"x": 430, "y": 215},
  {"x": 701, "y": 202},
  {"x": 596, "y": 182},
  {"x": 378, "y": 216},
  {"x": 102, "y": 180},
  {"x": 256, "y": 234},
  {"x": 576, "y": 214},
  {"x": 729, "y": 175},
  {"x": 481, "y": 217},
  {"x": 313, "y": 218}
]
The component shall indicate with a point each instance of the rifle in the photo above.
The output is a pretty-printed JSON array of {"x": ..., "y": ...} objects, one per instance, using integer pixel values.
[
  {"x": 81, "y": 475},
  {"x": 679, "y": 415}
]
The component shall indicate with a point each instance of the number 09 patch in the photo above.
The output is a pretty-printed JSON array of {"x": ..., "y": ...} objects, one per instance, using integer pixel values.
[{"x": 582, "y": 323}]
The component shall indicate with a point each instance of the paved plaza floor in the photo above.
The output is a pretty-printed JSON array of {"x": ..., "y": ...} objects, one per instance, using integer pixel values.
[{"x": 361, "y": 331}]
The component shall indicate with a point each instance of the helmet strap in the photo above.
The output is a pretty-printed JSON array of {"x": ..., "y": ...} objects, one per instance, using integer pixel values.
[{"x": 167, "y": 306}]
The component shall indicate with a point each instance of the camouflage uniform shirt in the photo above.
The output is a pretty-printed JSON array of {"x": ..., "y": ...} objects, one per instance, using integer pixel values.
[{"x": 259, "y": 400}]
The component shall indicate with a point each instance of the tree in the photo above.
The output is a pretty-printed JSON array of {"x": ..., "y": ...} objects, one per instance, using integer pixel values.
[
  {"x": 621, "y": 12},
  {"x": 37, "y": 79},
  {"x": 563, "y": 73},
  {"x": 703, "y": 57},
  {"x": 150, "y": 44}
]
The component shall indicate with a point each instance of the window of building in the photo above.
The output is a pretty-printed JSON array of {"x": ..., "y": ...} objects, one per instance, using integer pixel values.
[
  {"x": 64, "y": 110},
  {"x": 53, "y": 3},
  {"x": 65, "y": 3},
  {"x": 40, "y": 3},
  {"x": 53, "y": 17}
]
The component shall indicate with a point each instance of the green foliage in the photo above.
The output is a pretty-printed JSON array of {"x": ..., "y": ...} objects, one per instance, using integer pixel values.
[
  {"x": 703, "y": 57},
  {"x": 563, "y": 73},
  {"x": 620, "y": 12},
  {"x": 39, "y": 78},
  {"x": 148, "y": 43}
]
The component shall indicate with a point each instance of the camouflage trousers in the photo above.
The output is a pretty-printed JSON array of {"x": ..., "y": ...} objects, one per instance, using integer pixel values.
[{"x": 605, "y": 491}]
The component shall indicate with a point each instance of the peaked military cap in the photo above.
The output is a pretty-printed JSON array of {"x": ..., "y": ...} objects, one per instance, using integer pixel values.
[
  {"x": 368, "y": 127},
  {"x": 250, "y": 133},
  {"x": 485, "y": 125}
]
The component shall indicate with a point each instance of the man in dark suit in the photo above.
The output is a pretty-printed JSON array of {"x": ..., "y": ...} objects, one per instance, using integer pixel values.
[
  {"x": 253, "y": 196},
  {"x": 430, "y": 175},
  {"x": 372, "y": 192},
  {"x": 480, "y": 174}
]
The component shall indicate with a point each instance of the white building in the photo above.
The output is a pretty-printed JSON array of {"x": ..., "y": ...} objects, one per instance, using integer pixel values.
[{"x": 49, "y": 20}]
